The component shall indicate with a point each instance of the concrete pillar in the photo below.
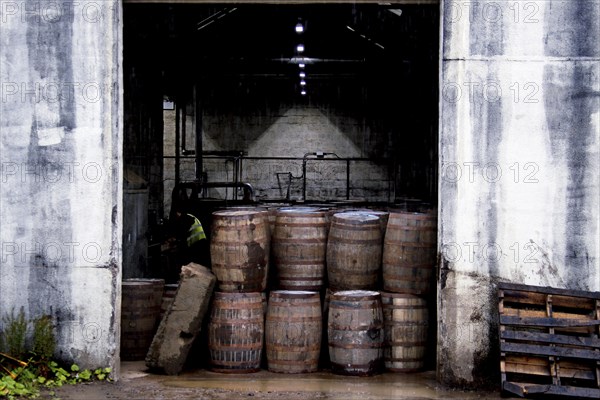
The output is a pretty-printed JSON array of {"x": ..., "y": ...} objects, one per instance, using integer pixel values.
[
  {"x": 519, "y": 173},
  {"x": 60, "y": 150}
]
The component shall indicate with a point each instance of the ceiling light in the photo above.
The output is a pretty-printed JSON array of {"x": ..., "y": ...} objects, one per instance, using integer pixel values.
[
  {"x": 302, "y": 82},
  {"x": 299, "y": 28},
  {"x": 300, "y": 48},
  {"x": 302, "y": 74}
]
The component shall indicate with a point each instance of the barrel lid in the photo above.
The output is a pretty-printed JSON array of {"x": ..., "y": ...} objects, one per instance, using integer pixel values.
[
  {"x": 293, "y": 293},
  {"x": 238, "y": 295},
  {"x": 236, "y": 213},
  {"x": 243, "y": 208},
  {"x": 356, "y": 293},
  {"x": 303, "y": 209},
  {"x": 308, "y": 211},
  {"x": 356, "y": 216}
]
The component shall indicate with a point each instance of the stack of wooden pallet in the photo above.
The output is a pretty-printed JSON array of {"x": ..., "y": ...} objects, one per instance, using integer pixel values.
[{"x": 549, "y": 341}]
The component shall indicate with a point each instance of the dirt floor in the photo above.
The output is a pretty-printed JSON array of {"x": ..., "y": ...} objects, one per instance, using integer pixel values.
[{"x": 137, "y": 383}]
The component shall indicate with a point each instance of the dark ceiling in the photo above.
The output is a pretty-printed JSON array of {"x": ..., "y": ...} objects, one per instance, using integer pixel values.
[{"x": 341, "y": 41}]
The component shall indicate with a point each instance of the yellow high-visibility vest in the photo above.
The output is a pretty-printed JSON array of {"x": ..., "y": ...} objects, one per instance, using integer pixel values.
[{"x": 196, "y": 232}]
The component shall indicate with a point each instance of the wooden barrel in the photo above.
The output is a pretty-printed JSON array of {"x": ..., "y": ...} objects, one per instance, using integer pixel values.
[
  {"x": 239, "y": 250},
  {"x": 167, "y": 298},
  {"x": 355, "y": 332},
  {"x": 235, "y": 332},
  {"x": 260, "y": 208},
  {"x": 293, "y": 331},
  {"x": 354, "y": 251},
  {"x": 409, "y": 253},
  {"x": 405, "y": 318},
  {"x": 140, "y": 312},
  {"x": 299, "y": 245},
  {"x": 381, "y": 214}
]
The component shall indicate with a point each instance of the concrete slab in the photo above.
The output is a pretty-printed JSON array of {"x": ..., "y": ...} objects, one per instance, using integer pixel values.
[{"x": 182, "y": 321}]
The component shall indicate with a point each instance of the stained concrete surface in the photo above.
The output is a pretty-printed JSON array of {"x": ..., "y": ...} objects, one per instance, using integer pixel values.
[{"x": 137, "y": 383}]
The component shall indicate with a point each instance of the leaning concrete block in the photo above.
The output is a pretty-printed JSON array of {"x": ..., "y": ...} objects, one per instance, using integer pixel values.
[{"x": 182, "y": 321}]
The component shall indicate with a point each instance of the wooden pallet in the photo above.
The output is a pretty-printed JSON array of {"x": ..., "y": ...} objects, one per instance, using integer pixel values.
[{"x": 549, "y": 341}]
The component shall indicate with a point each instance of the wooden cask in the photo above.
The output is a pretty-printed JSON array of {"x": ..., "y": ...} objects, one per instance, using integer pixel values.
[
  {"x": 299, "y": 244},
  {"x": 354, "y": 251},
  {"x": 293, "y": 331},
  {"x": 140, "y": 312},
  {"x": 355, "y": 332},
  {"x": 239, "y": 249},
  {"x": 236, "y": 332},
  {"x": 410, "y": 253},
  {"x": 406, "y": 323}
]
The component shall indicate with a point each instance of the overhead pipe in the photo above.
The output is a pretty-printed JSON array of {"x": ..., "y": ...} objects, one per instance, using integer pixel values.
[{"x": 180, "y": 194}]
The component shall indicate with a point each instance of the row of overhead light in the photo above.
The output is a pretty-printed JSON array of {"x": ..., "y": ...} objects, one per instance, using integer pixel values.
[{"x": 300, "y": 50}]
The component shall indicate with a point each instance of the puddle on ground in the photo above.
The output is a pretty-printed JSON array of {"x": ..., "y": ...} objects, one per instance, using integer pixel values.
[{"x": 421, "y": 386}]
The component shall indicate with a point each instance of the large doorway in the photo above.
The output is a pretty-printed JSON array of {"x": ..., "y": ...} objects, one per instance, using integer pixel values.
[{"x": 333, "y": 104}]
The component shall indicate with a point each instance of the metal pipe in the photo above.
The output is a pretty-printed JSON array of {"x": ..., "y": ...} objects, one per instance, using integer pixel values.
[
  {"x": 177, "y": 132},
  {"x": 184, "y": 150},
  {"x": 240, "y": 163},
  {"x": 197, "y": 187},
  {"x": 198, "y": 144},
  {"x": 248, "y": 189},
  {"x": 236, "y": 176},
  {"x": 347, "y": 179}
]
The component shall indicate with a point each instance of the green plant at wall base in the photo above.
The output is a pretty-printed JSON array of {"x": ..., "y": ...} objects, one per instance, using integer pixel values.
[
  {"x": 25, "y": 381},
  {"x": 19, "y": 379},
  {"x": 44, "y": 341},
  {"x": 15, "y": 331}
]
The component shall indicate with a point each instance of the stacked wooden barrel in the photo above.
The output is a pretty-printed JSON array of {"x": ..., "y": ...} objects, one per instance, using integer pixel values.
[
  {"x": 299, "y": 243},
  {"x": 140, "y": 312},
  {"x": 347, "y": 290},
  {"x": 240, "y": 252},
  {"x": 409, "y": 261},
  {"x": 293, "y": 331},
  {"x": 236, "y": 332}
]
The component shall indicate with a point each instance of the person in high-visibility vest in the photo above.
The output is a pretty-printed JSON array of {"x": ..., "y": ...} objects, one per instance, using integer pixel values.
[
  {"x": 196, "y": 232},
  {"x": 192, "y": 245}
]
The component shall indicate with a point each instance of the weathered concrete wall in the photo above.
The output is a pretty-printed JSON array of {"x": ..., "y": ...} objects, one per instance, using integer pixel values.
[
  {"x": 60, "y": 196},
  {"x": 304, "y": 129},
  {"x": 519, "y": 177}
]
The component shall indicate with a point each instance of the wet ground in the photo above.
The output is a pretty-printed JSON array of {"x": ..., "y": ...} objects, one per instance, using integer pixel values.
[{"x": 136, "y": 383}]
